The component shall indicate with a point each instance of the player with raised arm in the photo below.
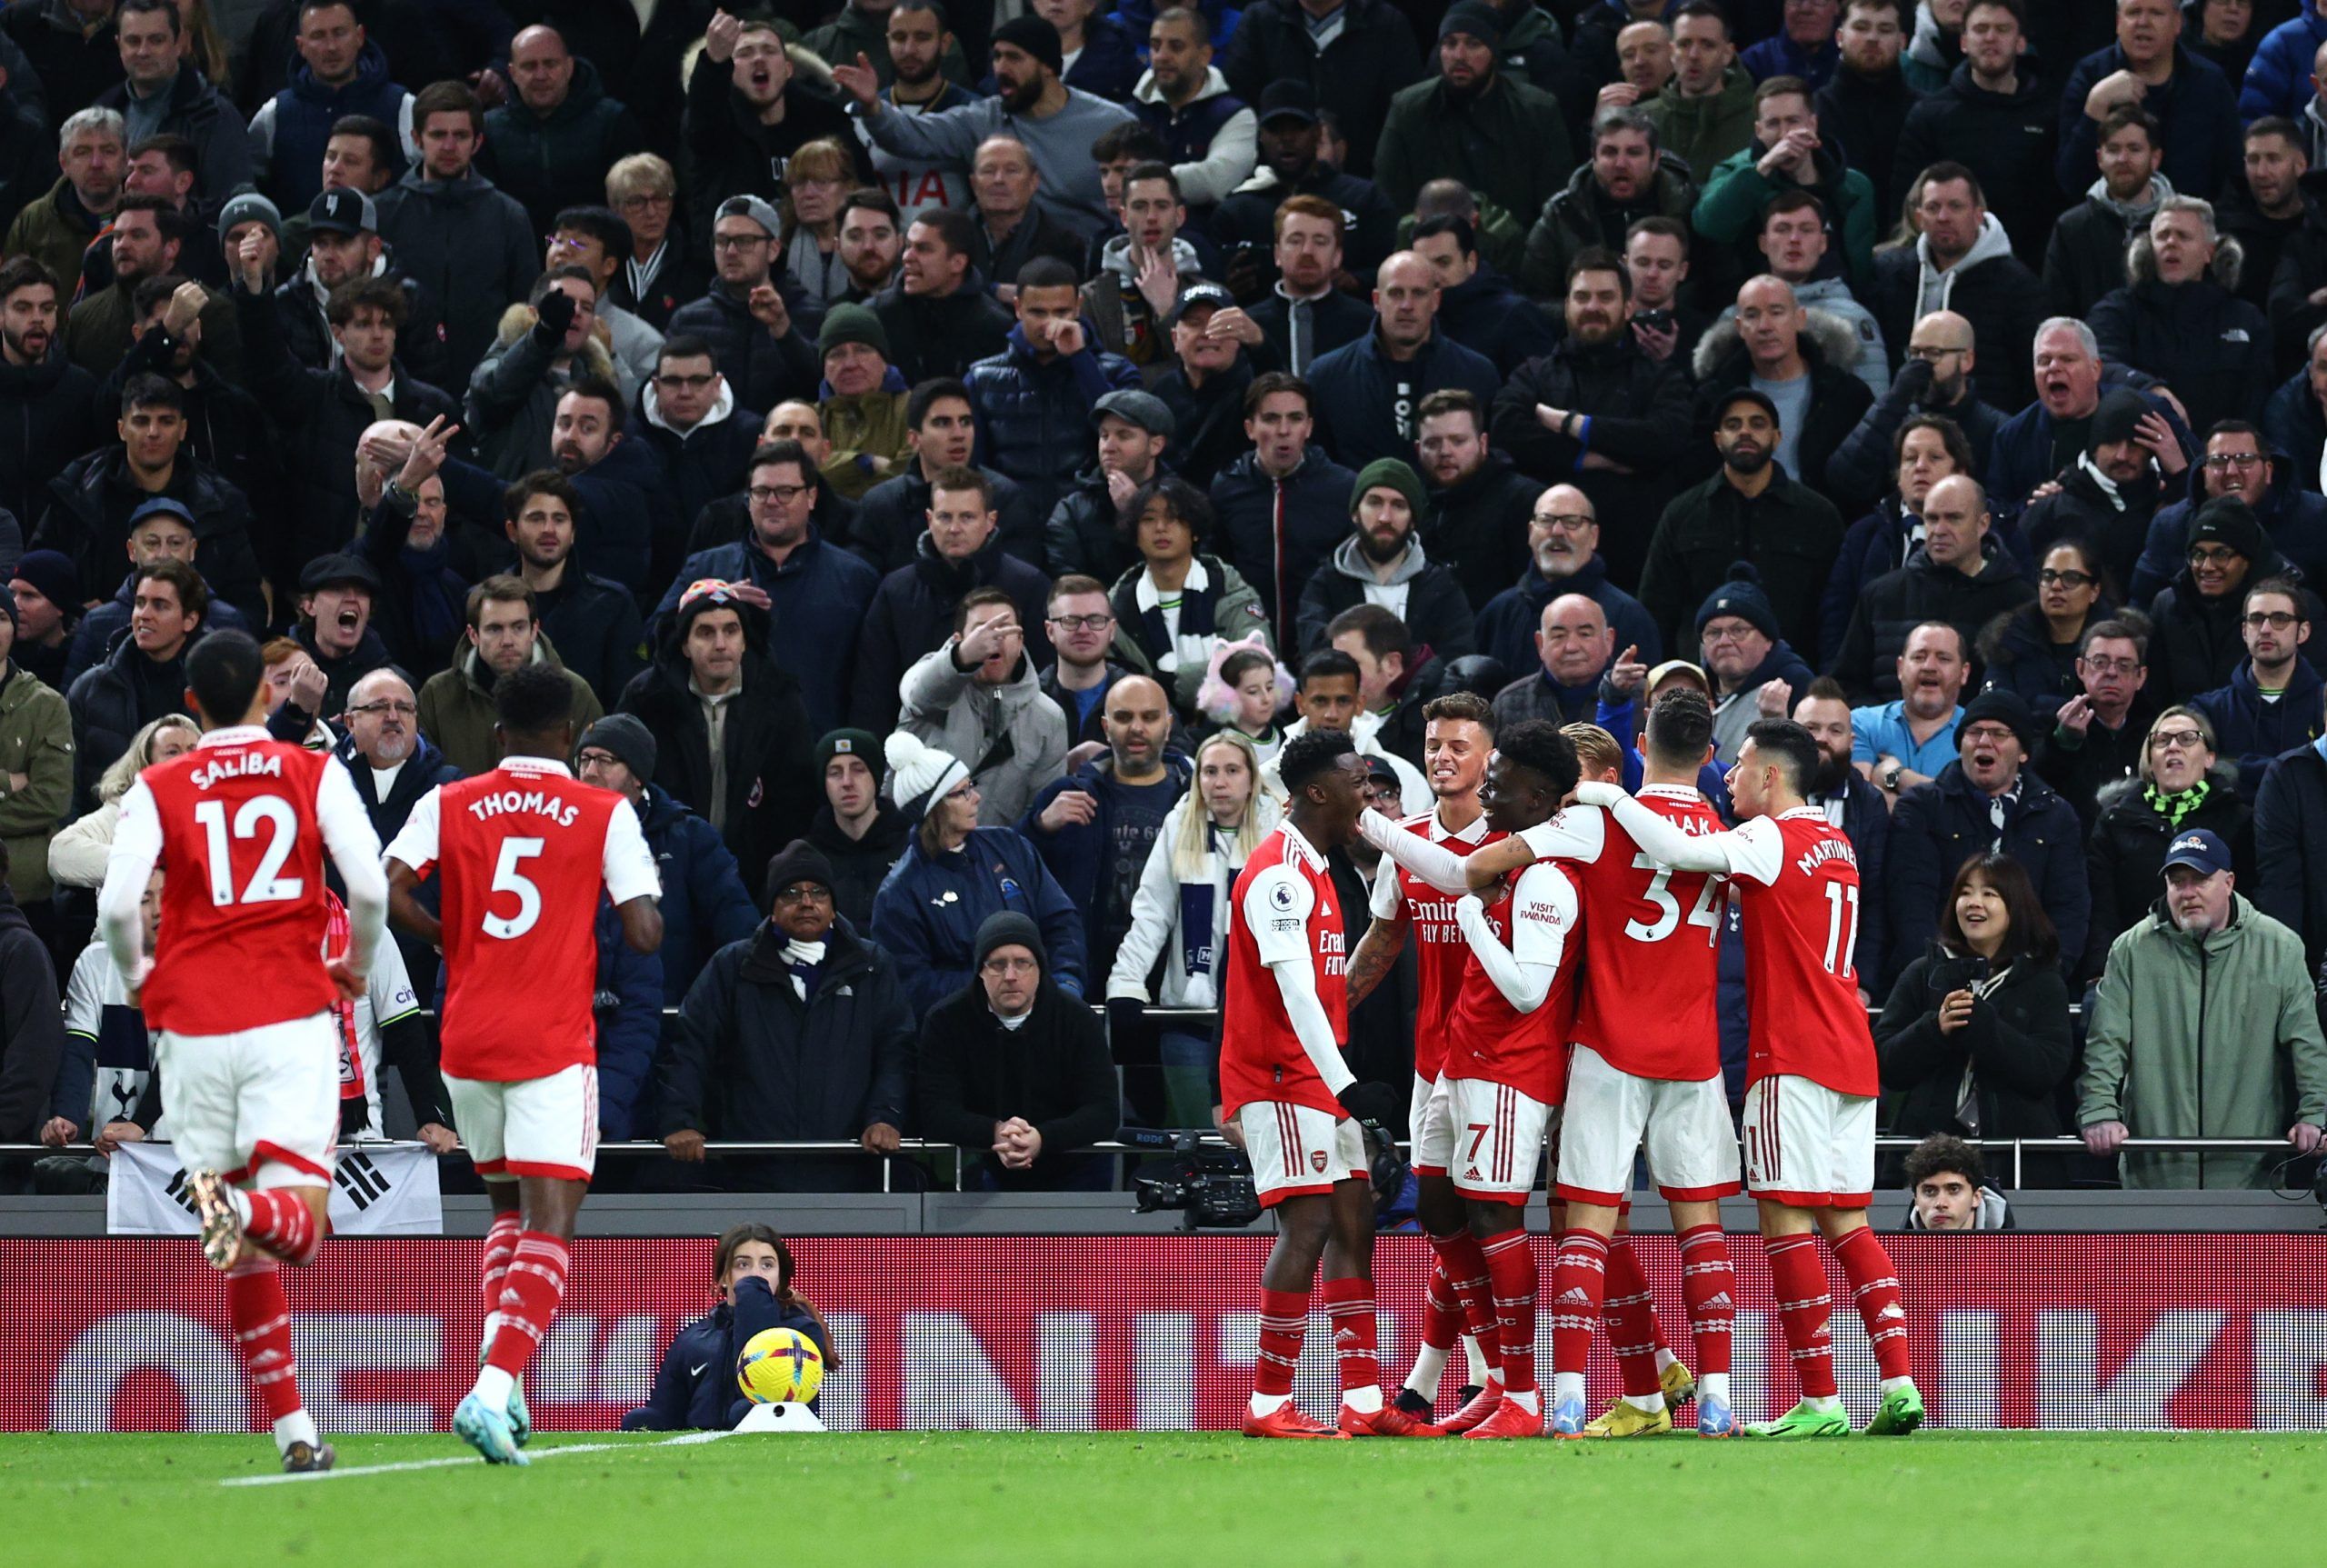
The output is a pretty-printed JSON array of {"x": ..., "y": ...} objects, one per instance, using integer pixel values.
[
  {"x": 1506, "y": 1050},
  {"x": 1810, "y": 1102},
  {"x": 1646, "y": 1072},
  {"x": 238, "y": 986},
  {"x": 523, "y": 854},
  {"x": 1281, "y": 1076},
  {"x": 1458, "y": 733}
]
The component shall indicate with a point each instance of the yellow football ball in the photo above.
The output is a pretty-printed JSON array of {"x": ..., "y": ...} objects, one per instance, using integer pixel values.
[{"x": 780, "y": 1366}]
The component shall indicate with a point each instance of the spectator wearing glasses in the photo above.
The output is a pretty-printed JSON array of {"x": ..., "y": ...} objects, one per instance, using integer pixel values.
[
  {"x": 2196, "y": 628},
  {"x": 691, "y": 420},
  {"x": 2204, "y": 1025},
  {"x": 1755, "y": 673},
  {"x": 2100, "y": 734},
  {"x": 597, "y": 240},
  {"x": 2239, "y": 461},
  {"x": 1082, "y": 625},
  {"x": 2271, "y": 703},
  {"x": 1986, "y": 801},
  {"x": 660, "y": 274},
  {"x": 1975, "y": 1040},
  {"x": 2033, "y": 650},
  {"x": 1936, "y": 381},
  {"x": 1563, "y": 557},
  {"x": 2183, "y": 786},
  {"x": 764, "y": 352}
]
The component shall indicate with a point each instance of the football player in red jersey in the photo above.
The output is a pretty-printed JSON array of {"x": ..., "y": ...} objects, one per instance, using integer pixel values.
[
  {"x": 524, "y": 853},
  {"x": 239, "y": 988},
  {"x": 1810, "y": 1103},
  {"x": 1281, "y": 1076},
  {"x": 1458, "y": 734}
]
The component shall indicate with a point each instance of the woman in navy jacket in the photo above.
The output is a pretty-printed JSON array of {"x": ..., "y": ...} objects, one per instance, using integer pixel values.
[{"x": 696, "y": 1387}]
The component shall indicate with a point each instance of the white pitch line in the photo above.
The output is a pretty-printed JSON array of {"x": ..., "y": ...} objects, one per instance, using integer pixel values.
[{"x": 691, "y": 1437}]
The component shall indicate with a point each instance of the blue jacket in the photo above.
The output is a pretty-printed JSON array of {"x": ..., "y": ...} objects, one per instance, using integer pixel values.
[
  {"x": 1035, "y": 419},
  {"x": 1077, "y": 855},
  {"x": 1509, "y": 622},
  {"x": 629, "y": 1010},
  {"x": 763, "y": 371},
  {"x": 816, "y": 604},
  {"x": 696, "y": 1388},
  {"x": 2278, "y": 78},
  {"x": 2292, "y": 517},
  {"x": 2253, "y": 733},
  {"x": 705, "y": 905},
  {"x": 928, "y": 910},
  {"x": 1485, "y": 313},
  {"x": 2292, "y": 422},
  {"x": 1364, "y": 402},
  {"x": 1938, "y": 826},
  {"x": 1316, "y": 519},
  {"x": 1782, "y": 56},
  {"x": 626, "y": 507},
  {"x": 2021, "y": 458},
  {"x": 2196, "y": 105},
  {"x": 304, "y": 113}
]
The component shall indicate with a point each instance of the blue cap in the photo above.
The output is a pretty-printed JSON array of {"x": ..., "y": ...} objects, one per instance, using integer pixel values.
[
  {"x": 159, "y": 505},
  {"x": 2200, "y": 850}
]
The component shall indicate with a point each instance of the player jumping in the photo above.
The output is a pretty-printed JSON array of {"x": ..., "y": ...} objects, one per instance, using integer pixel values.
[
  {"x": 1458, "y": 733},
  {"x": 244, "y": 998},
  {"x": 524, "y": 854},
  {"x": 1281, "y": 1076},
  {"x": 1810, "y": 1102}
]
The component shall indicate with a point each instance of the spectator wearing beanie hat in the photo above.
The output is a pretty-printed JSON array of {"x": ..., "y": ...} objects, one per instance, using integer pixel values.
[
  {"x": 954, "y": 875},
  {"x": 1057, "y": 123},
  {"x": 45, "y": 598},
  {"x": 2194, "y": 636},
  {"x": 1987, "y": 801},
  {"x": 1466, "y": 121},
  {"x": 1016, "y": 1071},
  {"x": 799, "y": 1031},
  {"x": 705, "y": 905},
  {"x": 864, "y": 399},
  {"x": 858, "y": 830},
  {"x": 2108, "y": 493},
  {"x": 1755, "y": 671},
  {"x": 1382, "y": 563}
]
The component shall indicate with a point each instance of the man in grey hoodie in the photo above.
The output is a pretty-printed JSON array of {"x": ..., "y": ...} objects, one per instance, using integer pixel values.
[
  {"x": 1381, "y": 563},
  {"x": 980, "y": 697},
  {"x": 1963, "y": 262},
  {"x": 2085, "y": 257}
]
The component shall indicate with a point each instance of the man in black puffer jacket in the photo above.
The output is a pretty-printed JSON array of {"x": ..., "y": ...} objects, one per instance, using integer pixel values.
[
  {"x": 1960, "y": 575},
  {"x": 47, "y": 414}
]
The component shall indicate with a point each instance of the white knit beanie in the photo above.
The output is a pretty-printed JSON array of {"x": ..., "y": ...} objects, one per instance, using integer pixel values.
[{"x": 920, "y": 774}]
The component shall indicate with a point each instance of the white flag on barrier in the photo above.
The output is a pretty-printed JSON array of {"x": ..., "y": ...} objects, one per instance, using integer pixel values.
[{"x": 378, "y": 1190}]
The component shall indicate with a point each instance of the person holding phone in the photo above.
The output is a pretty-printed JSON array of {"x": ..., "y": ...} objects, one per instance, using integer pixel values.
[{"x": 1975, "y": 1039}]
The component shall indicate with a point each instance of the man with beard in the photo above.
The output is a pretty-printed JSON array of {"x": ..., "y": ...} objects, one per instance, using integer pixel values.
[
  {"x": 1801, "y": 363},
  {"x": 1752, "y": 509},
  {"x": 1245, "y": 222},
  {"x": 2238, "y": 462},
  {"x": 1466, "y": 122},
  {"x": 929, "y": 53},
  {"x": 1992, "y": 115},
  {"x": 1866, "y": 101},
  {"x": 938, "y": 319},
  {"x": 1011, "y": 229},
  {"x": 1788, "y": 156},
  {"x": 747, "y": 112},
  {"x": 1382, "y": 563},
  {"x": 1367, "y": 391},
  {"x": 1851, "y": 804},
  {"x": 1987, "y": 800},
  {"x": 46, "y": 402},
  {"x": 1935, "y": 380},
  {"x": 592, "y": 622},
  {"x": 1564, "y": 558},
  {"x": 1628, "y": 179},
  {"x": 872, "y": 243},
  {"x": 1057, "y": 123},
  {"x": 1963, "y": 261},
  {"x": 1898, "y": 745},
  {"x": 145, "y": 237},
  {"x": 2085, "y": 258},
  {"x": 2267, "y": 212},
  {"x": 1307, "y": 315},
  {"x": 2108, "y": 496},
  {"x": 1475, "y": 521},
  {"x": 2100, "y": 734},
  {"x": 1209, "y": 131}
]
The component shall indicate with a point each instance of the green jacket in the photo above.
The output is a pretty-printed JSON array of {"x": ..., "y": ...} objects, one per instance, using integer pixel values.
[
  {"x": 868, "y": 440},
  {"x": 1508, "y": 144},
  {"x": 1573, "y": 221},
  {"x": 1729, "y": 211},
  {"x": 456, "y": 711},
  {"x": 2216, "y": 1039},
  {"x": 36, "y": 740},
  {"x": 1704, "y": 131},
  {"x": 45, "y": 231}
]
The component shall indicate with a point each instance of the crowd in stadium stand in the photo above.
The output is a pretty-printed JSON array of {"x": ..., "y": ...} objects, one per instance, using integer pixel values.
[{"x": 950, "y": 445}]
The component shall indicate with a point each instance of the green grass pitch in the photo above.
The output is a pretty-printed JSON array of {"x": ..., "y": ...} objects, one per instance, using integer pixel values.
[{"x": 1035, "y": 1500}]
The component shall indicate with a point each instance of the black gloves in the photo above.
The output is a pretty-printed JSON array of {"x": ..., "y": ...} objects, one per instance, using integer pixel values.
[
  {"x": 1126, "y": 1016},
  {"x": 555, "y": 312},
  {"x": 1375, "y": 1102}
]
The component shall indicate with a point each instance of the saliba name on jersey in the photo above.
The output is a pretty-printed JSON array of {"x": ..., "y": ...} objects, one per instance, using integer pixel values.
[{"x": 245, "y": 764}]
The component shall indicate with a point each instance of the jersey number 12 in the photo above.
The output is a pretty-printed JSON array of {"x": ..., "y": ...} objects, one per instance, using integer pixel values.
[{"x": 268, "y": 884}]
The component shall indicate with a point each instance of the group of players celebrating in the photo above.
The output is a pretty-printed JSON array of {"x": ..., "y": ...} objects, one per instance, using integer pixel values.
[
  {"x": 257, "y": 965},
  {"x": 1568, "y": 939}
]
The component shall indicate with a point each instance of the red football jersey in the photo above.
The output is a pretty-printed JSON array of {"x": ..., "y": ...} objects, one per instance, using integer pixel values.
[
  {"x": 1536, "y": 917},
  {"x": 237, "y": 826},
  {"x": 524, "y": 852},
  {"x": 1799, "y": 879},
  {"x": 1440, "y": 953},
  {"x": 1284, "y": 905},
  {"x": 1651, "y": 949}
]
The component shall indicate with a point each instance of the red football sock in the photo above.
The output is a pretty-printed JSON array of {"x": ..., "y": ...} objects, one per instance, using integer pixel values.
[
  {"x": 260, "y": 1314},
  {"x": 1466, "y": 1271},
  {"x": 1630, "y": 1309},
  {"x": 493, "y": 1268},
  {"x": 1709, "y": 1287},
  {"x": 1875, "y": 1284},
  {"x": 529, "y": 1301},
  {"x": 282, "y": 1226},
  {"x": 1284, "y": 1320},
  {"x": 1798, "y": 1280},
  {"x": 1579, "y": 1287},
  {"x": 1441, "y": 1309},
  {"x": 1511, "y": 1274},
  {"x": 1349, "y": 1308}
]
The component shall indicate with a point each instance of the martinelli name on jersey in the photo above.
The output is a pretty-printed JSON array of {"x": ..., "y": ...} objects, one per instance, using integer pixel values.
[{"x": 1823, "y": 850}]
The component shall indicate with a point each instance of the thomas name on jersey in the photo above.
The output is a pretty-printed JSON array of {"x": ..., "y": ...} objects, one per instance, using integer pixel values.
[{"x": 523, "y": 803}]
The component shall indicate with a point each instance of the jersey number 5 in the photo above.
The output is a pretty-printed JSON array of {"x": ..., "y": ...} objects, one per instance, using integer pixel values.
[
  {"x": 507, "y": 878},
  {"x": 1668, "y": 908},
  {"x": 268, "y": 884}
]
